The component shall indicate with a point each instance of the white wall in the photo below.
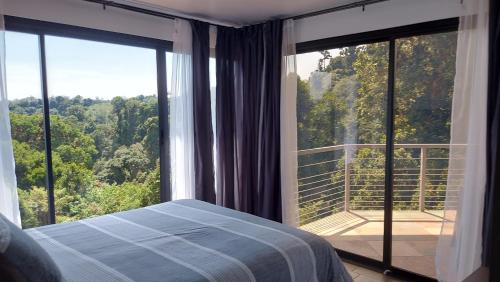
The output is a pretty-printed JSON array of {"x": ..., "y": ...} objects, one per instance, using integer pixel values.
[
  {"x": 85, "y": 14},
  {"x": 377, "y": 16}
]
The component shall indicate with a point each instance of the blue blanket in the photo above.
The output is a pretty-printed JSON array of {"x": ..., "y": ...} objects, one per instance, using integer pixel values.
[{"x": 187, "y": 240}]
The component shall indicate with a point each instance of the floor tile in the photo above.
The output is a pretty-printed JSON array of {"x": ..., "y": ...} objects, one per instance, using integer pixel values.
[{"x": 415, "y": 236}]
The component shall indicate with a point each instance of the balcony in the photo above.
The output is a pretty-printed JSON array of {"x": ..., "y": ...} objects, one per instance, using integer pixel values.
[{"x": 341, "y": 197}]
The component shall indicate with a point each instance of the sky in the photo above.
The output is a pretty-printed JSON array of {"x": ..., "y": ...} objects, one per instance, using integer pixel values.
[
  {"x": 79, "y": 67},
  {"x": 308, "y": 62},
  {"x": 94, "y": 69},
  {"x": 22, "y": 65}
]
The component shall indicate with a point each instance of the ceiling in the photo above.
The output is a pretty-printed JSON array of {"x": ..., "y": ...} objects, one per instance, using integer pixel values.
[{"x": 239, "y": 12}]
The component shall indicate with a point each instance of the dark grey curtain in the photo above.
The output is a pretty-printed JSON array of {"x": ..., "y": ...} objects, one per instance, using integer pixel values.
[
  {"x": 225, "y": 58},
  {"x": 248, "y": 118},
  {"x": 202, "y": 119},
  {"x": 491, "y": 224}
]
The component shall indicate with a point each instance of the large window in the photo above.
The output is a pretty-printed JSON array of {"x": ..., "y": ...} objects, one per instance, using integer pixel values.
[
  {"x": 356, "y": 102},
  {"x": 91, "y": 110},
  {"x": 341, "y": 131}
]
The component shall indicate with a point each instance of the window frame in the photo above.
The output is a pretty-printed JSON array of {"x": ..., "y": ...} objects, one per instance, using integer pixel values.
[
  {"x": 44, "y": 28},
  {"x": 389, "y": 35}
]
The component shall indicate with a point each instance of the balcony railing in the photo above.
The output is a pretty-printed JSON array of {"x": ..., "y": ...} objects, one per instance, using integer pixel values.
[{"x": 352, "y": 177}]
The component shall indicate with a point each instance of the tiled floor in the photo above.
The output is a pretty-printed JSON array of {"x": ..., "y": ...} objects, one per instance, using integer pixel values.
[
  {"x": 414, "y": 238},
  {"x": 362, "y": 274}
]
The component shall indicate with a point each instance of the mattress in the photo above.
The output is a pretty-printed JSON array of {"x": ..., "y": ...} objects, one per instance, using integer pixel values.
[{"x": 187, "y": 240}]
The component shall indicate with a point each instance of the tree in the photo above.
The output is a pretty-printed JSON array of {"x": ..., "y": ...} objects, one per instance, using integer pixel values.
[
  {"x": 30, "y": 166},
  {"x": 92, "y": 163},
  {"x": 128, "y": 164},
  {"x": 34, "y": 207},
  {"x": 28, "y": 129}
]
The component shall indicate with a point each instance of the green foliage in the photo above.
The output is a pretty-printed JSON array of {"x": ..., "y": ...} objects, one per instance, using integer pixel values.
[
  {"x": 30, "y": 164},
  {"x": 107, "y": 198},
  {"x": 105, "y": 156},
  {"x": 33, "y": 205},
  {"x": 310, "y": 211},
  {"x": 27, "y": 129},
  {"x": 127, "y": 164}
]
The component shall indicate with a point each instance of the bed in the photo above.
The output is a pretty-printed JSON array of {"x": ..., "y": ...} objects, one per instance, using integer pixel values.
[{"x": 187, "y": 240}]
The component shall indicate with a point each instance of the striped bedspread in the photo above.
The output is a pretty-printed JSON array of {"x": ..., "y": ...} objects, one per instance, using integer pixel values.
[{"x": 187, "y": 240}]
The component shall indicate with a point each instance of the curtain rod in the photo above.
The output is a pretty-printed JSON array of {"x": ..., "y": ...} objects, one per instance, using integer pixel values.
[
  {"x": 108, "y": 3},
  {"x": 114, "y": 4},
  {"x": 336, "y": 9}
]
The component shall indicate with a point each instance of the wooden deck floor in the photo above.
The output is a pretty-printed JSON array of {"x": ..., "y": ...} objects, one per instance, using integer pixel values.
[{"x": 414, "y": 240}]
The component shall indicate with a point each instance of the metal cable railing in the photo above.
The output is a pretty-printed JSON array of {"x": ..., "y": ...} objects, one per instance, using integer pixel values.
[{"x": 352, "y": 177}]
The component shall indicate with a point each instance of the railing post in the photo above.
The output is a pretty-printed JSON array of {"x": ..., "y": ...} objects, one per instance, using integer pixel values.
[
  {"x": 423, "y": 169},
  {"x": 347, "y": 180}
]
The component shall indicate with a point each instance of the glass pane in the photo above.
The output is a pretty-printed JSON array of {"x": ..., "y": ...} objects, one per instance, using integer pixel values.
[
  {"x": 425, "y": 70},
  {"x": 341, "y": 106},
  {"x": 26, "y": 117},
  {"x": 104, "y": 125}
]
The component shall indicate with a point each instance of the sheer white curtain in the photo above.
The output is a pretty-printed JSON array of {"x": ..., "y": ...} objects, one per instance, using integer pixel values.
[
  {"x": 288, "y": 127},
  {"x": 9, "y": 205},
  {"x": 181, "y": 113},
  {"x": 459, "y": 246}
]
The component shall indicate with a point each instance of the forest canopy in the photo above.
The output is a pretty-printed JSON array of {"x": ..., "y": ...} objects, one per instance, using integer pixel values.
[{"x": 105, "y": 156}]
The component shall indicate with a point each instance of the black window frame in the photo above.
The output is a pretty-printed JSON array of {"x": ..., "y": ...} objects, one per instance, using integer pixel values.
[
  {"x": 44, "y": 28},
  {"x": 390, "y": 36}
]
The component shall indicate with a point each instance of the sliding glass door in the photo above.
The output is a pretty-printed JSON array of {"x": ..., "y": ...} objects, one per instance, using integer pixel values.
[
  {"x": 373, "y": 132},
  {"x": 341, "y": 134}
]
